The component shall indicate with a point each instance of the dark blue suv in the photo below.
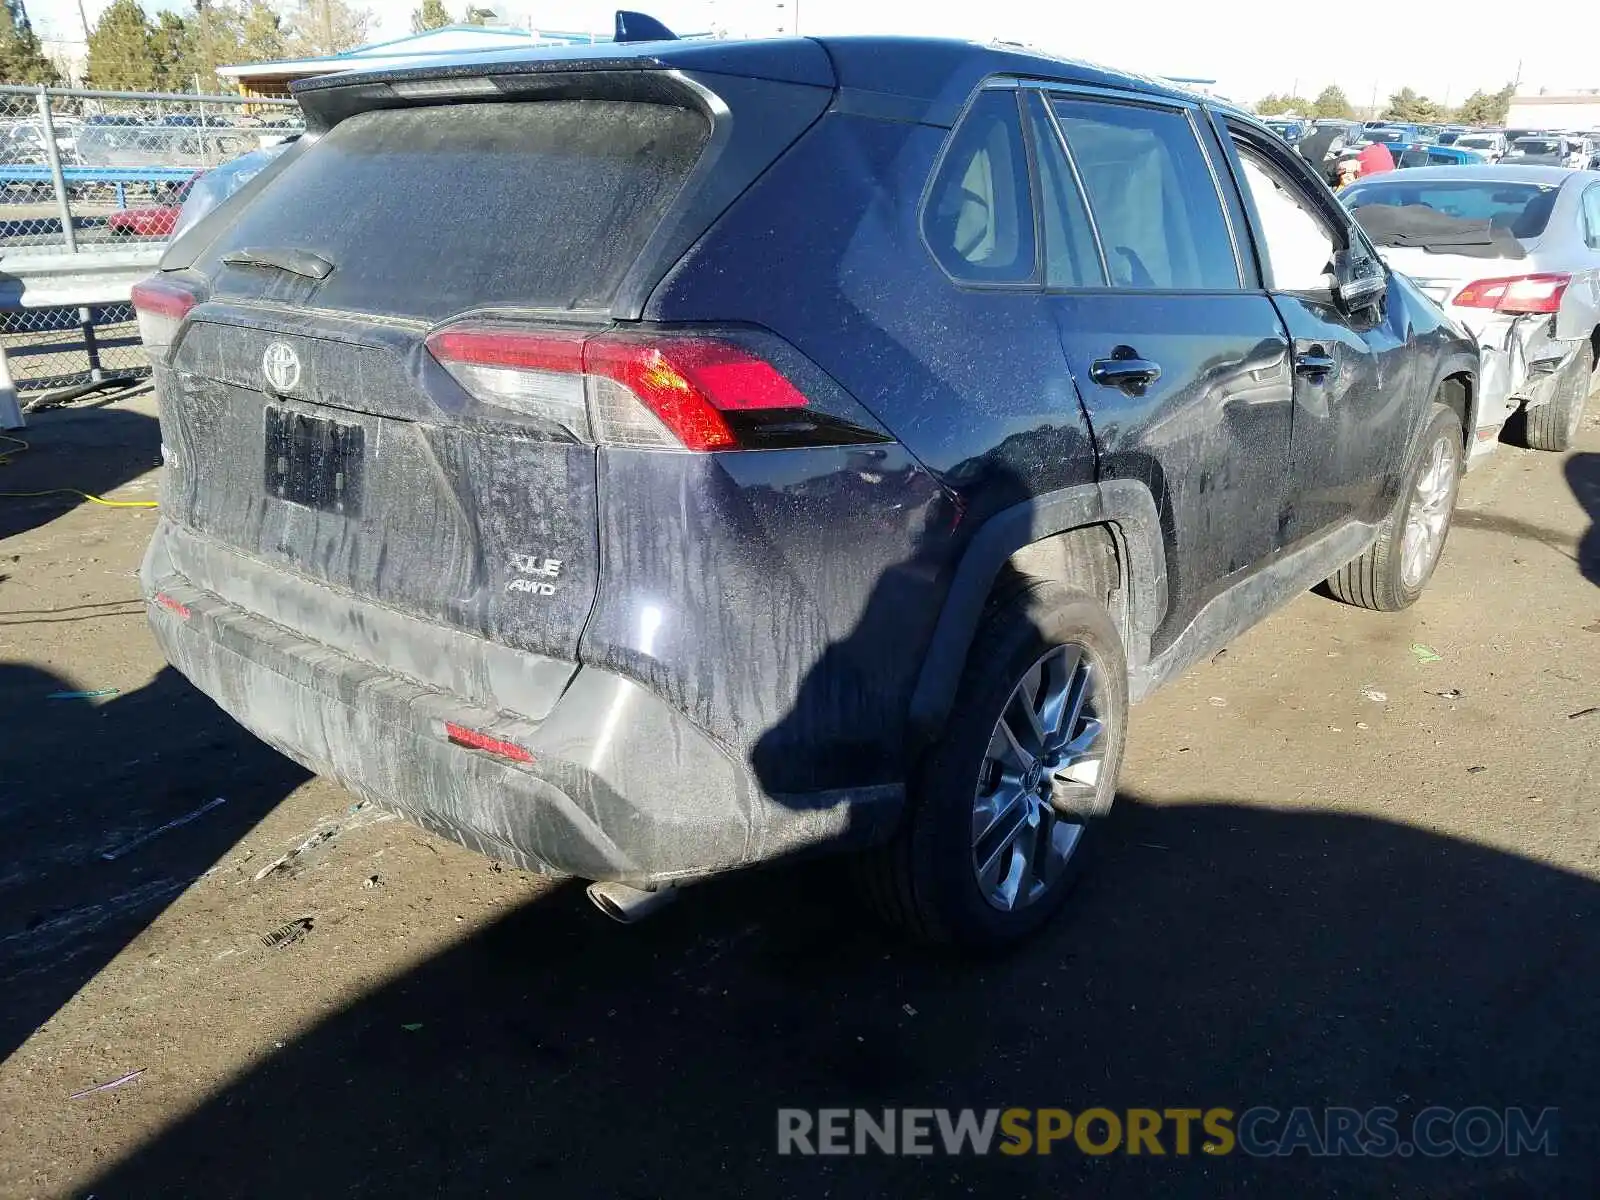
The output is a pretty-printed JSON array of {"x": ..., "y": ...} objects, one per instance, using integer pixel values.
[{"x": 641, "y": 461}]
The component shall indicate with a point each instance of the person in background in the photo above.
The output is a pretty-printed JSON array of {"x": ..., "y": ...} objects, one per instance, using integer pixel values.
[{"x": 1375, "y": 160}]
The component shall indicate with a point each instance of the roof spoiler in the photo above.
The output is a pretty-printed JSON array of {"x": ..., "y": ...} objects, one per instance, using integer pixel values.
[{"x": 640, "y": 27}]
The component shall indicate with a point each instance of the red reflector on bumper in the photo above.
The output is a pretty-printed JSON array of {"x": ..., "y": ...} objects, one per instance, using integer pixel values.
[
  {"x": 172, "y": 605},
  {"x": 473, "y": 740}
]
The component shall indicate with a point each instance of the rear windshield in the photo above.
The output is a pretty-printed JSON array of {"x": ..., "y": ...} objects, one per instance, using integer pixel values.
[
  {"x": 1386, "y": 135},
  {"x": 1475, "y": 141},
  {"x": 1538, "y": 146},
  {"x": 427, "y": 211},
  {"x": 1521, "y": 209}
]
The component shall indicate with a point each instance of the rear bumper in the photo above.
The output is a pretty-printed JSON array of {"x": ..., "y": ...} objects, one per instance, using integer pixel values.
[
  {"x": 621, "y": 786},
  {"x": 1521, "y": 366}
]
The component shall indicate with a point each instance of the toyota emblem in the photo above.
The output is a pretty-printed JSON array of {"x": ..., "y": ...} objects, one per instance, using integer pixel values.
[{"x": 281, "y": 365}]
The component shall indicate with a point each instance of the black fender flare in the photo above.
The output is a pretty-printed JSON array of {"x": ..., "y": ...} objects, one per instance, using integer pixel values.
[{"x": 1126, "y": 505}]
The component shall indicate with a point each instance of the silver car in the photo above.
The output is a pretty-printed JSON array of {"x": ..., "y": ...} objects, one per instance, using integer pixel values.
[
  {"x": 1490, "y": 144},
  {"x": 1512, "y": 254}
]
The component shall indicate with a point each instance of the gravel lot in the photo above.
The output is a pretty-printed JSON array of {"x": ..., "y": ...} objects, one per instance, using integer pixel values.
[{"x": 1338, "y": 874}]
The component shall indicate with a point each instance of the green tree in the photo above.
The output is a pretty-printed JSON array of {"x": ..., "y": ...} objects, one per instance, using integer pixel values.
[
  {"x": 22, "y": 59},
  {"x": 321, "y": 27},
  {"x": 432, "y": 15},
  {"x": 1487, "y": 108},
  {"x": 171, "y": 45},
  {"x": 217, "y": 39},
  {"x": 1332, "y": 102},
  {"x": 261, "y": 33},
  {"x": 1406, "y": 105},
  {"x": 122, "y": 52},
  {"x": 1271, "y": 104}
]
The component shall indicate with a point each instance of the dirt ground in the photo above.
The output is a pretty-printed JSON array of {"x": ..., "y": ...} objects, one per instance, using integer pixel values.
[{"x": 1342, "y": 871}]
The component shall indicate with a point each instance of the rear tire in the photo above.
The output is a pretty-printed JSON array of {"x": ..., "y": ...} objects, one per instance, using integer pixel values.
[
  {"x": 1395, "y": 568},
  {"x": 991, "y": 816},
  {"x": 1554, "y": 426}
]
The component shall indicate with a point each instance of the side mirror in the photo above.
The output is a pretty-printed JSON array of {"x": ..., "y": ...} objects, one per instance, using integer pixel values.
[{"x": 1358, "y": 280}]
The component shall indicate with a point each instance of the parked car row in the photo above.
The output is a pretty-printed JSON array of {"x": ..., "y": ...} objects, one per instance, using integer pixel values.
[{"x": 1420, "y": 145}]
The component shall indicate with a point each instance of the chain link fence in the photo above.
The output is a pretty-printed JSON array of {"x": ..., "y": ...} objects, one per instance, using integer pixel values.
[
  {"x": 117, "y": 163},
  {"x": 54, "y": 348},
  {"x": 81, "y": 171}
]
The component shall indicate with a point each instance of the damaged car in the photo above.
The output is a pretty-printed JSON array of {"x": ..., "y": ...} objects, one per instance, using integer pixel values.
[
  {"x": 642, "y": 461},
  {"x": 1512, "y": 254}
]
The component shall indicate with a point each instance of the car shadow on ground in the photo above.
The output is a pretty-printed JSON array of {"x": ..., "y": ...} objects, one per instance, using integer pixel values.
[
  {"x": 81, "y": 779},
  {"x": 1214, "y": 955},
  {"x": 1583, "y": 477},
  {"x": 85, "y": 449}
]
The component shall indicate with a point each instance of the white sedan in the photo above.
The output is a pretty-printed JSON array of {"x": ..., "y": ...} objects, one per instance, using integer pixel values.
[{"x": 1512, "y": 254}]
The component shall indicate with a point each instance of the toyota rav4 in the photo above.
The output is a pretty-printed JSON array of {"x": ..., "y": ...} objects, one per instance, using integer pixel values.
[{"x": 645, "y": 460}]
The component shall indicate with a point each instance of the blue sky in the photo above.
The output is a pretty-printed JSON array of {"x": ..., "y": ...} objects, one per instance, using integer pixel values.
[{"x": 1250, "y": 46}]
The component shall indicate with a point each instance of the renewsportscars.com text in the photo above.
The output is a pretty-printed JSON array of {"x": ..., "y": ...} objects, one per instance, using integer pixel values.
[{"x": 1476, "y": 1132}]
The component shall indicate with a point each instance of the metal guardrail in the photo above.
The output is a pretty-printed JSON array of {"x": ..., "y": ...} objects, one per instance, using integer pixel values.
[{"x": 66, "y": 322}]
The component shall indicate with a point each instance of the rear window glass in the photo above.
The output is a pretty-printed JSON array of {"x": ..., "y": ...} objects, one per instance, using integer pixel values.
[
  {"x": 428, "y": 211},
  {"x": 1539, "y": 146},
  {"x": 1521, "y": 209}
]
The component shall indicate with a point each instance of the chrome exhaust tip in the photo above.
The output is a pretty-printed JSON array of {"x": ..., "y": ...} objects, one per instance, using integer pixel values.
[{"x": 629, "y": 905}]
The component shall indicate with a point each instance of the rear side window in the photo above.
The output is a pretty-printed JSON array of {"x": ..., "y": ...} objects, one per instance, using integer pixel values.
[
  {"x": 979, "y": 217},
  {"x": 428, "y": 211},
  {"x": 1071, "y": 257},
  {"x": 1591, "y": 217},
  {"x": 1152, "y": 195}
]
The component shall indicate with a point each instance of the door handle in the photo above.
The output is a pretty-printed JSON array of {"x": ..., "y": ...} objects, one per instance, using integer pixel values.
[
  {"x": 1125, "y": 370},
  {"x": 1314, "y": 366}
]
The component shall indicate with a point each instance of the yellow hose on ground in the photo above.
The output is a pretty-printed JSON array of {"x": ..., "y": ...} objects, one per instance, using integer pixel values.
[{"x": 5, "y": 460}]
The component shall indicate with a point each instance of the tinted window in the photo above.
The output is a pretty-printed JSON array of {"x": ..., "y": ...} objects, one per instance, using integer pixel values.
[
  {"x": 1386, "y": 135},
  {"x": 1540, "y": 146},
  {"x": 1298, "y": 242},
  {"x": 427, "y": 211},
  {"x": 1071, "y": 257},
  {"x": 1522, "y": 209},
  {"x": 1152, "y": 195},
  {"x": 979, "y": 218}
]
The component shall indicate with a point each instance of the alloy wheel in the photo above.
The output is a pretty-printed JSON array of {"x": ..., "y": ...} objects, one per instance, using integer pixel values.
[
  {"x": 1039, "y": 779},
  {"x": 1428, "y": 514}
]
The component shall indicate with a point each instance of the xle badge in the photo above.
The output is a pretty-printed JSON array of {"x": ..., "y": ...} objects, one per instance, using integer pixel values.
[{"x": 536, "y": 576}]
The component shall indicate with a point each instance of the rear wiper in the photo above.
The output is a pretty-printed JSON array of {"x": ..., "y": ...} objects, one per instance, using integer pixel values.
[{"x": 283, "y": 258}]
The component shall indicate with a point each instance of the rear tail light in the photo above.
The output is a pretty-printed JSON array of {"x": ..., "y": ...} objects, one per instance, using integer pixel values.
[
  {"x": 660, "y": 391},
  {"x": 1517, "y": 294},
  {"x": 161, "y": 307}
]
